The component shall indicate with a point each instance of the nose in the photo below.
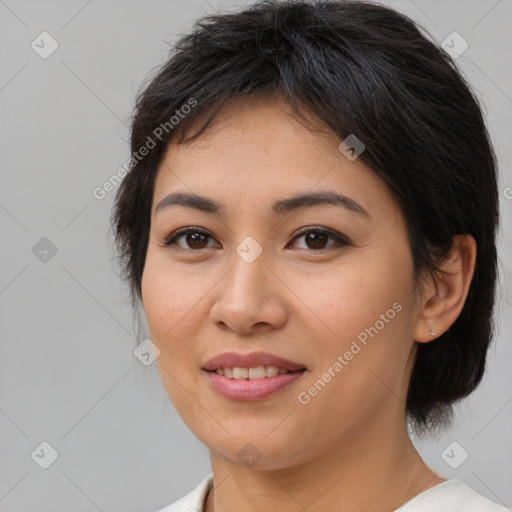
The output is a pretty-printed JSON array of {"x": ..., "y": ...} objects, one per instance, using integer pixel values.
[{"x": 250, "y": 297}]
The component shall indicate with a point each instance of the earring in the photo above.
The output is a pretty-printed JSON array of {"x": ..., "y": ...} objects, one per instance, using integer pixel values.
[{"x": 431, "y": 332}]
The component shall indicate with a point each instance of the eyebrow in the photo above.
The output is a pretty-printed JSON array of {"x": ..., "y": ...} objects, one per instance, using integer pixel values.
[{"x": 280, "y": 207}]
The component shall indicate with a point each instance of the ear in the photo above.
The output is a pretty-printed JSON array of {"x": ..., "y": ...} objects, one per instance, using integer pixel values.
[{"x": 445, "y": 293}]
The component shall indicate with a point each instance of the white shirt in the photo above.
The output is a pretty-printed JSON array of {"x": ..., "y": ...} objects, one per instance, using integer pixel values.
[{"x": 450, "y": 496}]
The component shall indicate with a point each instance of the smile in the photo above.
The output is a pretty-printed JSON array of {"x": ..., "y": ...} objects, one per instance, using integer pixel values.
[
  {"x": 256, "y": 372},
  {"x": 242, "y": 388}
]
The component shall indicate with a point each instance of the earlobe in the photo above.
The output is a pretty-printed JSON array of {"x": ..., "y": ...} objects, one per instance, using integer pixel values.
[{"x": 446, "y": 292}]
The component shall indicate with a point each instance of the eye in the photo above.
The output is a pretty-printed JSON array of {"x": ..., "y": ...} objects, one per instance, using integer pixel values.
[
  {"x": 196, "y": 238},
  {"x": 317, "y": 237}
]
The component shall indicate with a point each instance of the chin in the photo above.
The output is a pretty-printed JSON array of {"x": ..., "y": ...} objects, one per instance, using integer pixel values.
[{"x": 259, "y": 452}]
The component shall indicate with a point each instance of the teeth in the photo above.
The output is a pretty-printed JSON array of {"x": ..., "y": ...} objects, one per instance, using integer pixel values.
[
  {"x": 257, "y": 372},
  {"x": 240, "y": 373},
  {"x": 272, "y": 371}
]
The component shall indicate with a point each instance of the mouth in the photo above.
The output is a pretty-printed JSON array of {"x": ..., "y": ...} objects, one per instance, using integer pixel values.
[
  {"x": 253, "y": 373},
  {"x": 253, "y": 376}
]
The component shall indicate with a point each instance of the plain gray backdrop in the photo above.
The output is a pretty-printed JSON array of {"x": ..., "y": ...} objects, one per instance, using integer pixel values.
[{"x": 69, "y": 377}]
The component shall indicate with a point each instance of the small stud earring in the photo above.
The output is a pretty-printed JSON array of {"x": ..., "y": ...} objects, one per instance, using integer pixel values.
[{"x": 431, "y": 332}]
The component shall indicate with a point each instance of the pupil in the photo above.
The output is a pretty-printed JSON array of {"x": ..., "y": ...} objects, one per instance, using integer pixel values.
[
  {"x": 196, "y": 238},
  {"x": 316, "y": 239}
]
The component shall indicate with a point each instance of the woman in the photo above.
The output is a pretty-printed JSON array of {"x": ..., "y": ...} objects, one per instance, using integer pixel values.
[{"x": 309, "y": 224}]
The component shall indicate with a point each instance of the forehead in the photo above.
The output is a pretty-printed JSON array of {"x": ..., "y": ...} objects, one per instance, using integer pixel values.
[
  {"x": 260, "y": 127},
  {"x": 257, "y": 149}
]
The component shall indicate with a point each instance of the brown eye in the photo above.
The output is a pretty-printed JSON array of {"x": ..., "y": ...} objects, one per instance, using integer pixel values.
[
  {"x": 316, "y": 239},
  {"x": 195, "y": 239}
]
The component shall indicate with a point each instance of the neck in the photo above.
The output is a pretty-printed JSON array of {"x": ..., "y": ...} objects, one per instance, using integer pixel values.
[{"x": 375, "y": 469}]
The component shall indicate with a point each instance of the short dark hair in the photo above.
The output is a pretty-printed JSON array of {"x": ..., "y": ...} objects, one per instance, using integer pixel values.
[{"x": 358, "y": 68}]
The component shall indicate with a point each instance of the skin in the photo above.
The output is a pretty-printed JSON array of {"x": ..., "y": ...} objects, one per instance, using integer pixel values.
[{"x": 349, "y": 444}]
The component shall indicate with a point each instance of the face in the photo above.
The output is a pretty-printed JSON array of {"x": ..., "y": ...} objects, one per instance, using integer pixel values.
[{"x": 328, "y": 286}]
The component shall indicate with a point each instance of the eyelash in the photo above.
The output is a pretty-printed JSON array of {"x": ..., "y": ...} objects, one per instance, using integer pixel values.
[{"x": 340, "y": 240}]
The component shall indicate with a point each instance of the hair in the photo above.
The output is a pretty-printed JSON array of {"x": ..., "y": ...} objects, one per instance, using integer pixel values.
[{"x": 357, "y": 68}]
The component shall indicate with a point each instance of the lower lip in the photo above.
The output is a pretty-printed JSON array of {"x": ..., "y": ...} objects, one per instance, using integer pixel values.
[{"x": 251, "y": 389}]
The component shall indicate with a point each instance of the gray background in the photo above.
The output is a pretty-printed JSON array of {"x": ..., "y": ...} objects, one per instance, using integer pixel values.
[{"x": 67, "y": 369}]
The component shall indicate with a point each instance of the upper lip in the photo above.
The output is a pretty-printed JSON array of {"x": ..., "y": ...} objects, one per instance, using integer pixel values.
[{"x": 232, "y": 359}]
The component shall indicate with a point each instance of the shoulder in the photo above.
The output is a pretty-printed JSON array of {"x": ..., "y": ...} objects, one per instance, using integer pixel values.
[
  {"x": 193, "y": 501},
  {"x": 449, "y": 496}
]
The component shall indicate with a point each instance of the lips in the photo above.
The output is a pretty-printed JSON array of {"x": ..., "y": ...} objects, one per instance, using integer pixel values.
[{"x": 251, "y": 360}]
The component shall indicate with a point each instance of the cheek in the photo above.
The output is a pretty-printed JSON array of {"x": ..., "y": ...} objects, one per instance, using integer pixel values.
[
  {"x": 165, "y": 303},
  {"x": 351, "y": 295},
  {"x": 168, "y": 296},
  {"x": 364, "y": 309},
  {"x": 172, "y": 301}
]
